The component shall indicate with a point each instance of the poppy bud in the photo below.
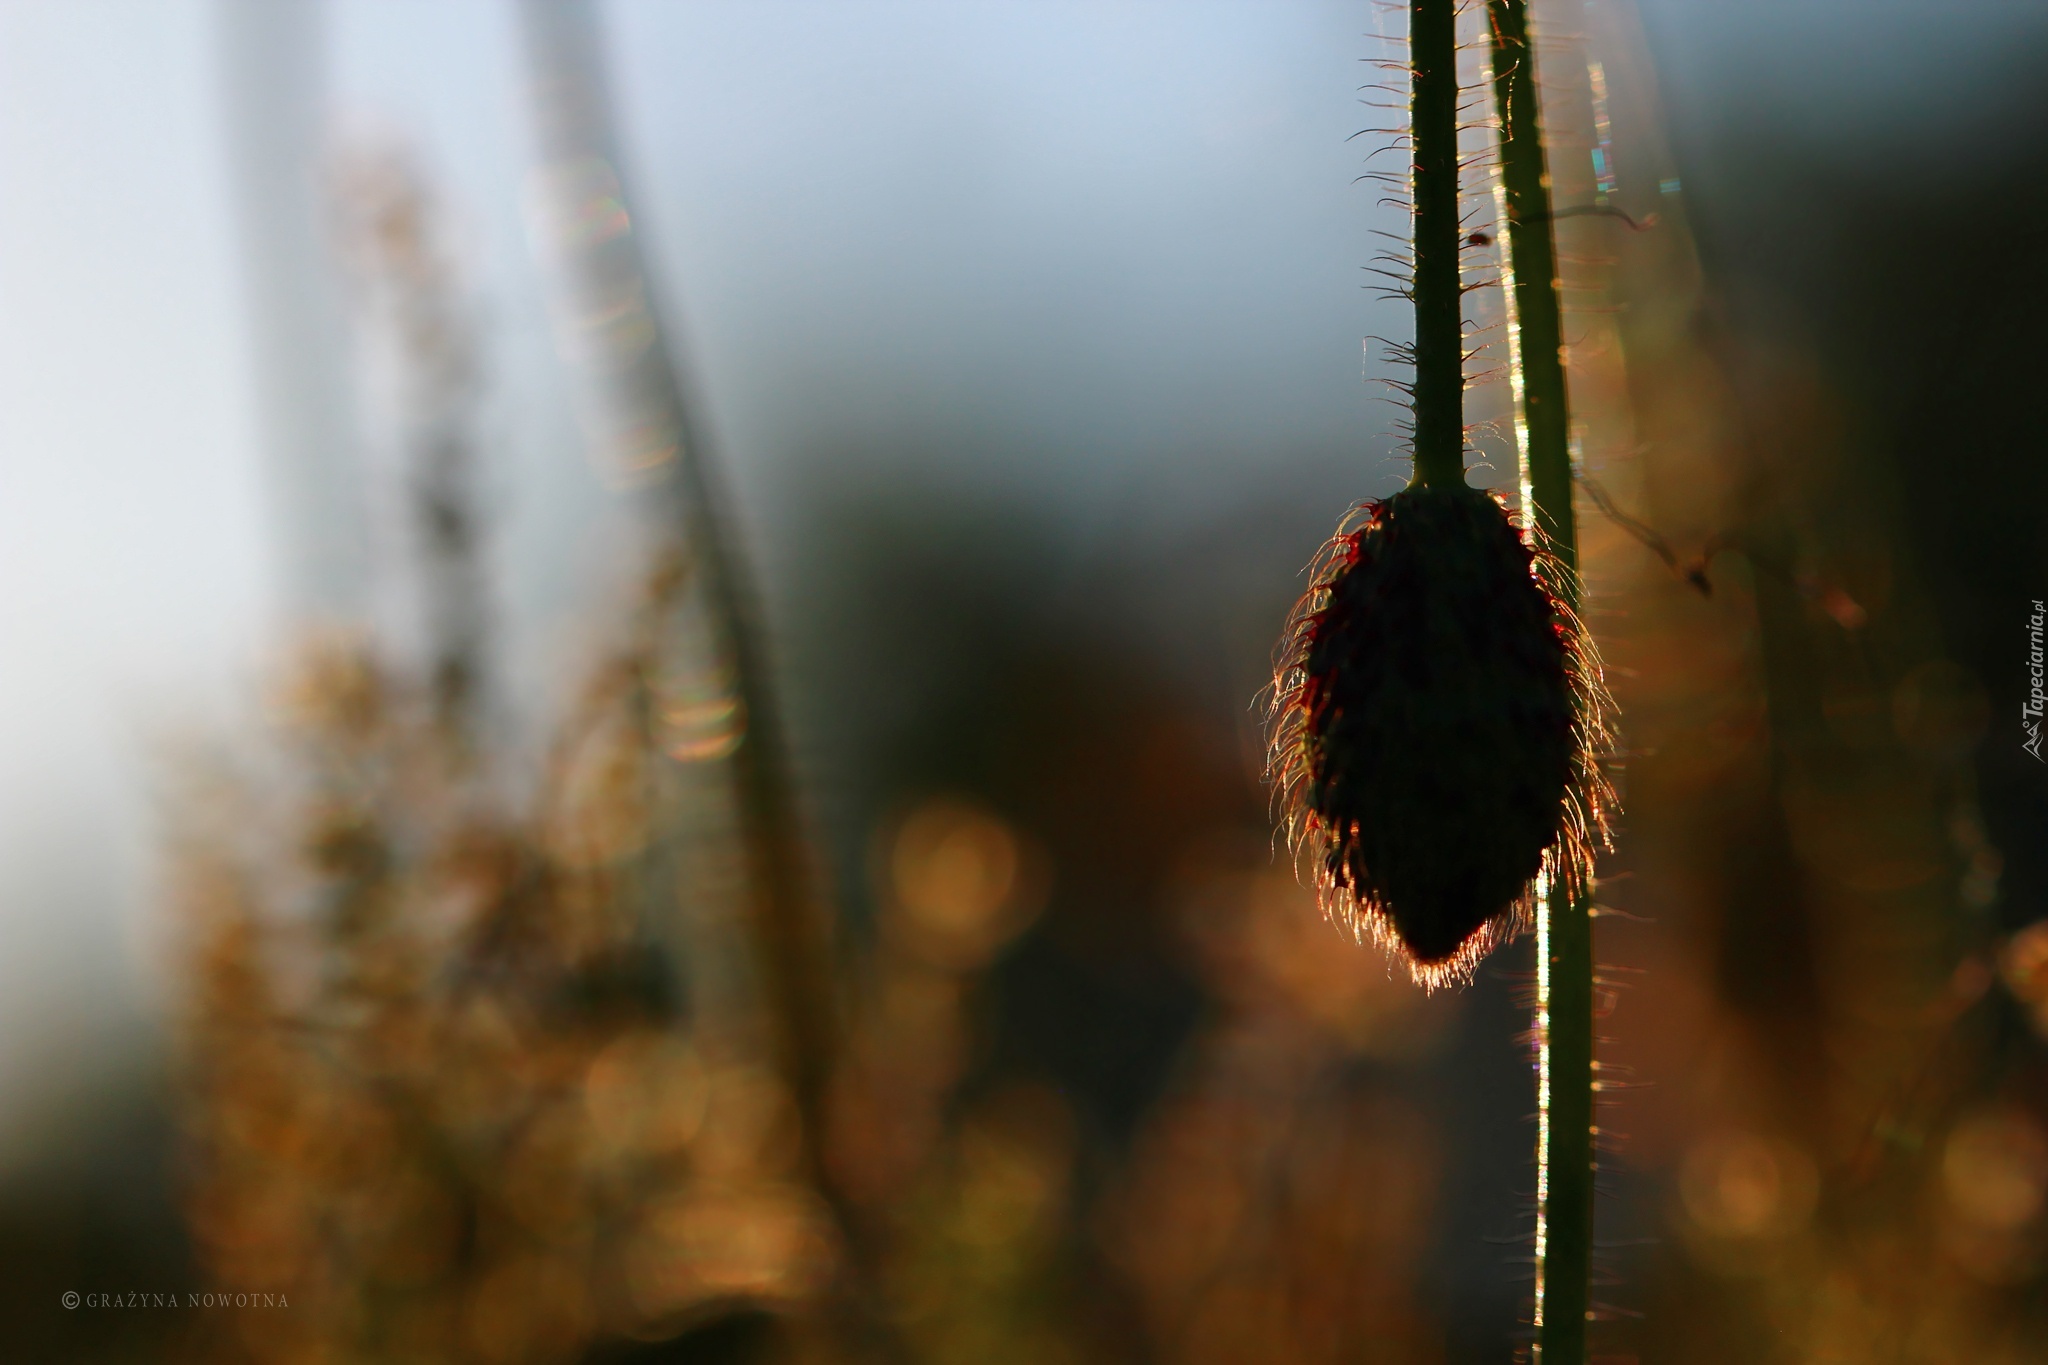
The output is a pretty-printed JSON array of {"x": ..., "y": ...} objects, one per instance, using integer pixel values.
[{"x": 1436, "y": 723}]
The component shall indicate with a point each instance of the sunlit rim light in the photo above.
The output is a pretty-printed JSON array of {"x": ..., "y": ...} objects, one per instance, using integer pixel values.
[
  {"x": 1543, "y": 918},
  {"x": 1523, "y": 488}
]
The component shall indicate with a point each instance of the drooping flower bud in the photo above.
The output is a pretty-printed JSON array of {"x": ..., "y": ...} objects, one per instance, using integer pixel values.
[{"x": 1436, "y": 729}]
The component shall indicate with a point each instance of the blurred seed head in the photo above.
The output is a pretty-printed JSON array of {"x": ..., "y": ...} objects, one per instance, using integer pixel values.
[
  {"x": 432, "y": 1081},
  {"x": 1993, "y": 1187},
  {"x": 715, "y": 1243},
  {"x": 2023, "y": 965},
  {"x": 646, "y": 1094},
  {"x": 1743, "y": 1186},
  {"x": 528, "y": 1308},
  {"x": 749, "y": 1130},
  {"x": 332, "y": 686},
  {"x": 959, "y": 884},
  {"x": 1994, "y": 1170},
  {"x": 1015, "y": 1152}
]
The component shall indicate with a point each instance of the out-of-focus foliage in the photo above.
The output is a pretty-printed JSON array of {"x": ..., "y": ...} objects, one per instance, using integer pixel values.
[{"x": 438, "y": 1099}]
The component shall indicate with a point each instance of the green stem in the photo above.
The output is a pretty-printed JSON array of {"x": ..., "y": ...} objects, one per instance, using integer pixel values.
[
  {"x": 1439, "y": 320},
  {"x": 1564, "y": 1019},
  {"x": 1564, "y": 1143},
  {"x": 1532, "y": 278}
]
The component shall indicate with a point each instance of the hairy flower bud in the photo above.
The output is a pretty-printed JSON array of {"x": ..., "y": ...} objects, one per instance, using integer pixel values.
[{"x": 1436, "y": 726}]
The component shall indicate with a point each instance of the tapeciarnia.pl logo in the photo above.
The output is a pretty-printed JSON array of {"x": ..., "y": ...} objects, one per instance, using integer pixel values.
[{"x": 2030, "y": 710}]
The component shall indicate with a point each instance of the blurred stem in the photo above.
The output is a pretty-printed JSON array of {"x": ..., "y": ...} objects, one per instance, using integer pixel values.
[
  {"x": 784, "y": 913},
  {"x": 1564, "y": 940},
  {"x": 1439, "y": 323}
]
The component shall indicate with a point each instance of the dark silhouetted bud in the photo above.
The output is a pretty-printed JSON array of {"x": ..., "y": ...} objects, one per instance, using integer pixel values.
[{"x": 1437, "y": 723}]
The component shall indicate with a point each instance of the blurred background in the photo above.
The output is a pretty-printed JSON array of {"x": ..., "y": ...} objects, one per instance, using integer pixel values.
[{"x": 380, "y": 731}]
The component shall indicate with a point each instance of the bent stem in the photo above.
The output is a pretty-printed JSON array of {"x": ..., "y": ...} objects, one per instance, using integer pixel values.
[
  {"x": 685, "y": 498},
  {"x": 1564, "y": 932}
]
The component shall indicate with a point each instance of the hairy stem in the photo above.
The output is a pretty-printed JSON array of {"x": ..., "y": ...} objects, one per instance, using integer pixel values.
[
  {"x": 1439, "y": 323},
  {"x": 1564, "y": 1141},
  {"x": 1564, "y": 942},
  {"x": 1531, "y": 275}
]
